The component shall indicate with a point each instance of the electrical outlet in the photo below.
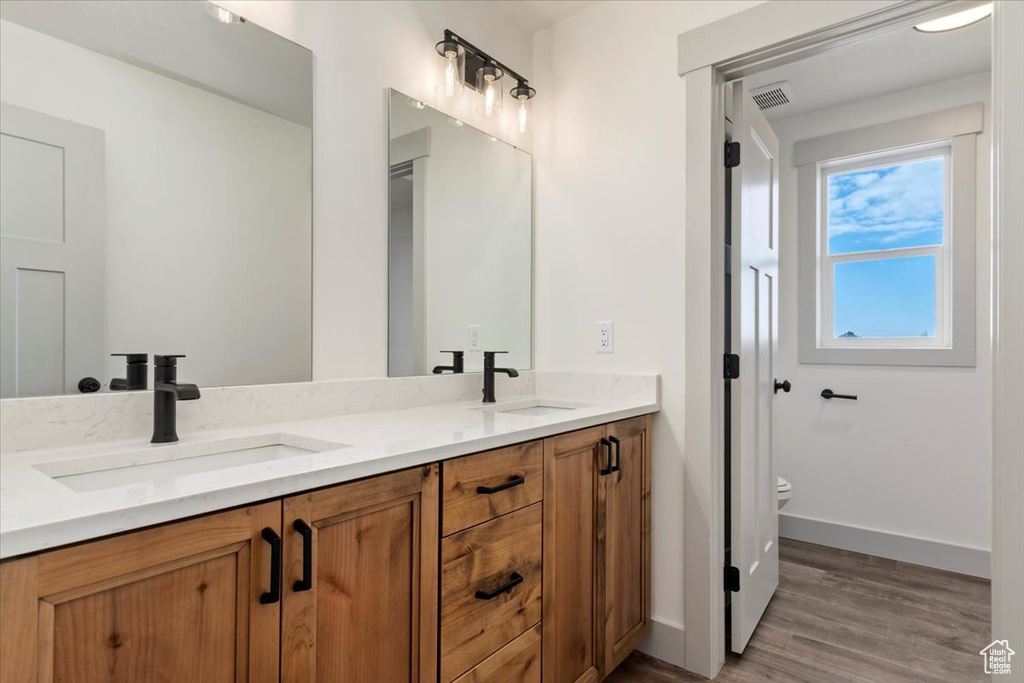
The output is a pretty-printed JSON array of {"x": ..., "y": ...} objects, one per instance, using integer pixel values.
[
  {"x": 605, "y": 336},
  {"x": 474, "y": 338}
]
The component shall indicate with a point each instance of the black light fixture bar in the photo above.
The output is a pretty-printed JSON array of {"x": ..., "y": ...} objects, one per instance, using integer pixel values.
[{"x": 451, "y": 36}]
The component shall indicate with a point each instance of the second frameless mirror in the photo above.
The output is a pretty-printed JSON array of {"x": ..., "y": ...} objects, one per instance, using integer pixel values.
[{"x": 459, "y": 244}]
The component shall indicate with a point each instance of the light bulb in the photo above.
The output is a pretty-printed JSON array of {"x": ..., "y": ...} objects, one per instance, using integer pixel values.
[
  {"x": 451, "y": 73},
  {"x": 490, "y": 95},
  {"x": 523, "y": 114}
]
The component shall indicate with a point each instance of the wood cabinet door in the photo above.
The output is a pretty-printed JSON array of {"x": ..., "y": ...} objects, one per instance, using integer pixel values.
[
  {"x": 180, "y": 602},
  {"x": 573, "y": 543},
  {"x": 627, "y": 559},
  {"x": 369, "y": 610}
]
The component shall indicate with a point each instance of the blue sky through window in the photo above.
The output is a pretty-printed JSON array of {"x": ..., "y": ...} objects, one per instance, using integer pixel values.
[
  {"x": 887, "y": 207},
  {"x": 900, "y": 205},
  {"x": 893, "y": 297}
]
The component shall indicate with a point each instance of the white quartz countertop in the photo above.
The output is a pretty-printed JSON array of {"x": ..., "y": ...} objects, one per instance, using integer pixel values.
[{"x": 39, "y": 512}]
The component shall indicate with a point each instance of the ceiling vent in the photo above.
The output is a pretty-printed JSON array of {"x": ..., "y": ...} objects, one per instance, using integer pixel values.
[{"x": 773, "y": 95}]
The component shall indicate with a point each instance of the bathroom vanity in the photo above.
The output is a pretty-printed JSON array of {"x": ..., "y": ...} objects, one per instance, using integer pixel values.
[{"x": 511, "y": 563}]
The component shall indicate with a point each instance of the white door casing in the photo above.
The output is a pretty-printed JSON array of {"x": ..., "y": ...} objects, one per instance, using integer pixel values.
[
  {"x": 52, "y": 253},
  {"x": 754, "y": 324}
]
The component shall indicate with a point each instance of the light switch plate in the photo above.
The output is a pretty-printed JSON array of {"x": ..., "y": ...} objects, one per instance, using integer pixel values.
[
  {"x": 605, "y": 336},
  {"x": 474, "y": 338}
]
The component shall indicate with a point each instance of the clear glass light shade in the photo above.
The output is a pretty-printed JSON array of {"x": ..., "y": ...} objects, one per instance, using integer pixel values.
[
  {"x": 488, "y": 83},
  {"x": 451, "y": 69},
  {"x": 522, "y": 116}
]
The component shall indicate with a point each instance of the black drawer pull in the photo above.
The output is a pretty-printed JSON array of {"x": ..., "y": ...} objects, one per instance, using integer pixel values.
[
  {"x": 306, "y": 582},
  {"x": 517, "y": 480},
  {"x": 274, "y": 594},
  {"x": 608, "y": 451},
  {"x": 514, "y": 581},
  {"x": 618, "y": 454}
]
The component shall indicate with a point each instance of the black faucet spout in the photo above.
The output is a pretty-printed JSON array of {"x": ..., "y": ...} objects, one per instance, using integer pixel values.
[{"x": 180, "y": 392}]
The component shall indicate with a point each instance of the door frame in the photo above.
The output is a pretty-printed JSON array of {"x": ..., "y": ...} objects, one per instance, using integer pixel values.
[{"x": 741, "y": 44}]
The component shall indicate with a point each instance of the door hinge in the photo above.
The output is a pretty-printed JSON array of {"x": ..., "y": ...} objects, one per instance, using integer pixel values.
[
  {"x": 732, "y": 154},
  {"x": 732, "y": 579},
  {"x": 732, "y": 366}
]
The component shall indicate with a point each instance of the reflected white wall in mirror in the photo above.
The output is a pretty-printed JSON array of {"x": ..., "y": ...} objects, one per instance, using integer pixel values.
[
  {"x": 182, "y": 156},
  {"x": 460, "y": 243}
]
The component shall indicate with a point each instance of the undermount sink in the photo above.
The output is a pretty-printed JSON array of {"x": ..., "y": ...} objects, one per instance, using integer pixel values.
[
  {"x": 160, "y": 462},
  {"x": 533, "y": 407}
]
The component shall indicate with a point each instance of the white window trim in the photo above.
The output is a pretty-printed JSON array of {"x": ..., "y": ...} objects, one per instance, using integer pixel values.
[{"x": 954, "y": 345}]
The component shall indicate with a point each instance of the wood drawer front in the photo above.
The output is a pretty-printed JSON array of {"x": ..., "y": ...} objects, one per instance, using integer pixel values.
[
  {"x": 517, "y": 662},
  {"x": 463, "y": 506},
  {"x": 483, "y": 559}
]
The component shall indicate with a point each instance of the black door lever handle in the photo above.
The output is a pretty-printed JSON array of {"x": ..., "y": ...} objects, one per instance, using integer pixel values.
[{"x": 828, "y": 393}]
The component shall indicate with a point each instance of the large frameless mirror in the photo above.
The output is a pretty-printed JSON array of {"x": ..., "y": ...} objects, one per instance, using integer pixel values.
[
  {"x": 156, "y": 195},
  {"x": 459, "y": 246}
]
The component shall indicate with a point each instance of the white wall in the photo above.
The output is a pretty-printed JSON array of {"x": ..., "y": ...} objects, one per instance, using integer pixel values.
[
  {"x": 208, "y": 213},
  {"x": 912, "y": 457},
  {"x": 609, "y": 177},
  {"x": 361, "y": 49}
]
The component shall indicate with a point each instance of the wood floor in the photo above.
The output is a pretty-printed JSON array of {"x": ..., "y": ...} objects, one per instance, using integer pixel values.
[{"x": 845, "y": 617}]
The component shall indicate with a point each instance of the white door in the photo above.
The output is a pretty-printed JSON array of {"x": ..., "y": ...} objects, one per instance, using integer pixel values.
[
  {"x": 52, "y": 252},
  {"x": 754, "y": 306}
]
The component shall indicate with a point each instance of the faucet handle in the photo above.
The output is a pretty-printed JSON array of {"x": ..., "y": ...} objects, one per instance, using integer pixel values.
[
  {"x": 133, "y": 358},
  {"x": 167, "y": 361}
]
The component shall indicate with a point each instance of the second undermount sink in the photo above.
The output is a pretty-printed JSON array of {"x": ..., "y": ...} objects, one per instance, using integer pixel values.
[
  {"x": 160, "y": 462},
  {"x": 533, "y": 407}
]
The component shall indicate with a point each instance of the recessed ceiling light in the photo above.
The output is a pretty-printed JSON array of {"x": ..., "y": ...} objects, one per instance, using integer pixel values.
[
  {"x": 222, "y": 15},
  {"x": 957, "y": 20}
]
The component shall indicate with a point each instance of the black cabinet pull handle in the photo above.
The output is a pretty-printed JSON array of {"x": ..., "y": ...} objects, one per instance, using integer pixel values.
[
  {"x": 517, "y": 480},
  {"x": 514, "y": 581},
  {"x": 274, "y": 594},
  {"x": 784, "y": 385},
  {"x": 306, "y": 531},
  {"x": 828, "y": 393},
  {"x": 618, "y": 454},
  {"x": 608, "y": 452}
]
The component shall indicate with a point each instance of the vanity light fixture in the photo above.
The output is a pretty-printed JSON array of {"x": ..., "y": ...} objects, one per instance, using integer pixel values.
[
  {"x": 222, "y": 15},
  {"x": 951, "y": 22},
  {"x": 416, "y": 104},
  {"x": 457, "y": 57}
]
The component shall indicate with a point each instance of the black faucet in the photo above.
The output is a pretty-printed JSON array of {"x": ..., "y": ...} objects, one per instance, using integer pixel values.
[
  {"x": 136, "y": 373},
  {"x": 166, "y": 394},
  {"x": 489, "y": 371},
  {"x": 455, "y": 367}
]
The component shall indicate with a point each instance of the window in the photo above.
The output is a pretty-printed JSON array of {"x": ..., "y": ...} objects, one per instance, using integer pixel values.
[
  {"x": 885, "y": 250},
  {"x": 886, "y": 221}
]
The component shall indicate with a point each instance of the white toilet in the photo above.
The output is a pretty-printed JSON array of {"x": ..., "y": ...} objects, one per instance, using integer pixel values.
[{"x": 785, "y": 492}]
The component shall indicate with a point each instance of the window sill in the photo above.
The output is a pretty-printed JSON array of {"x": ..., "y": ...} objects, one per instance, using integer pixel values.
[{"x": 962, "y": 356}]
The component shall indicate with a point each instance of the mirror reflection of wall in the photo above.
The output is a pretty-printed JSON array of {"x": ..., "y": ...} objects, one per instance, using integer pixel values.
[
  {"x": 460, "y": 243},
  {"x": 185, "y": 182}
]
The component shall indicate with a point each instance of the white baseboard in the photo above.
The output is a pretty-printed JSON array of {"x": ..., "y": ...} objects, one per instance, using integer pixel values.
[
  {"x": 954, "y": 558},
  {"x": 667, "y": 642}
]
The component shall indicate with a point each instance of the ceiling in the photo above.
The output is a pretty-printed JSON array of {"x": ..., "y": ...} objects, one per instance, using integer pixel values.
[
  {"x": 896, "y": 60},
  {"x": 537, "y": 15},
  {"x": 243, "y": 62}
]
